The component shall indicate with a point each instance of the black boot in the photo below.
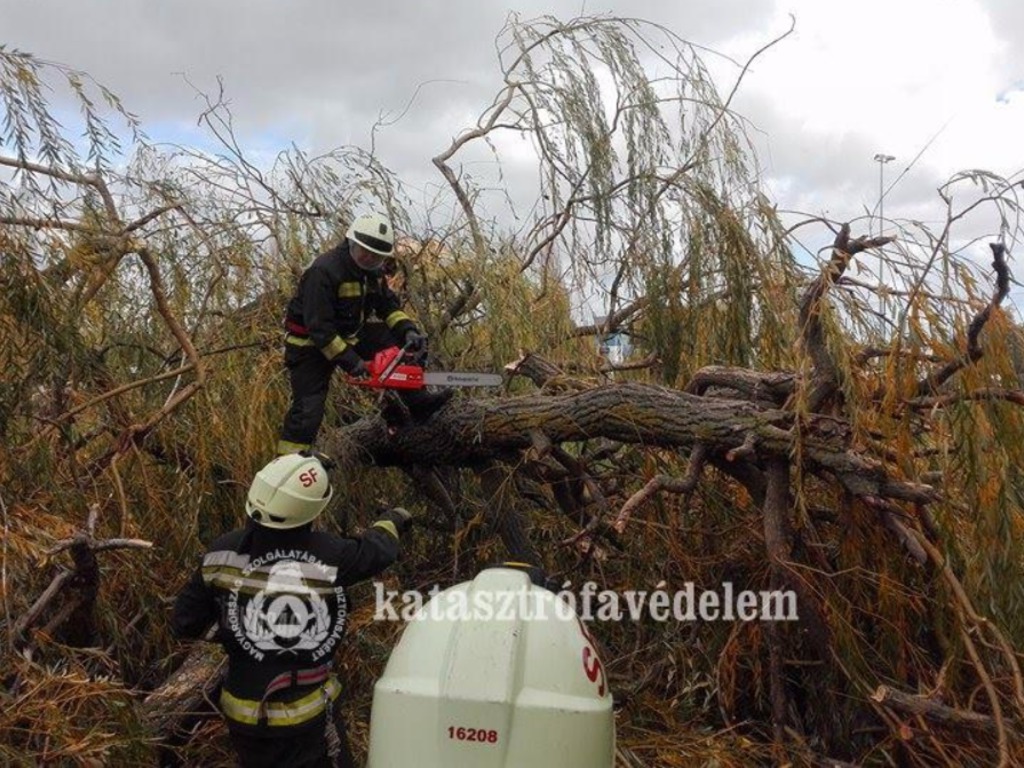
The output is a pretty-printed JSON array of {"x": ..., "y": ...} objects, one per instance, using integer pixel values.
[{"x": 423, "y": 404}]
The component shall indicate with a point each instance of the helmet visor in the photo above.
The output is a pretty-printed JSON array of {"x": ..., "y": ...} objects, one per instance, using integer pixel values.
[
  {"x": 367, "y": 259},
  {"x": 371, "y": 243}
]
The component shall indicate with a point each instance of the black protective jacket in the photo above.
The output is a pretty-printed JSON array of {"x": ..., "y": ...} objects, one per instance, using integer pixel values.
[
  {"x": 278, "y": 599},
  {"x": 335, "y": 298}
]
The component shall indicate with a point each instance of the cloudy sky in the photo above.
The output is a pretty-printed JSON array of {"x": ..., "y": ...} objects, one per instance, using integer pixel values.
[{"x": 853, "y": 80}]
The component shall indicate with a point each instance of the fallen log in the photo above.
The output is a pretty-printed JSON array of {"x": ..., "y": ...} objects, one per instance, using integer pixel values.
[
  {"x": 930, "y": 709},
  {"x": 187, "y": 694},
  {"x": 475, "y": 432}
]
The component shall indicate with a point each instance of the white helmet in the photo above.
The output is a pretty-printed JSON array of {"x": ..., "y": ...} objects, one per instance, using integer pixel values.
[
  {"x": 290, "y": 491},
  {"x": 376, "y": 236}
]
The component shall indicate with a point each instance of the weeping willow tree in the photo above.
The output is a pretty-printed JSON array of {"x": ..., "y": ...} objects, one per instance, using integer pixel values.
[
  {"x": 771, "y": 430},
  {"x": 646, "y": 199}
]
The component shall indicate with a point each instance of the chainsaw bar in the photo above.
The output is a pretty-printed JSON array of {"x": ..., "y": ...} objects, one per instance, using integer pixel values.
[
  {"x": 388, "y": 370},
  {"x": 462, "y": 379}
]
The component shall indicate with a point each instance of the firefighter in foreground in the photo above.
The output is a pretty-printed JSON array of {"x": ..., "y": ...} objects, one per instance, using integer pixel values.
[
  {"x": 328, "y": 324},
  {"x": 275, "y": 589}
]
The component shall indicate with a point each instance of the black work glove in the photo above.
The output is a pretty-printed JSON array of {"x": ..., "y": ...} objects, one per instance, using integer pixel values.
[
  {"x": 415, "y": 346},
  {"x": 402, "y": 518},
  {"x": 326, "y": 461},
  {"x": 351, "y": 363}
]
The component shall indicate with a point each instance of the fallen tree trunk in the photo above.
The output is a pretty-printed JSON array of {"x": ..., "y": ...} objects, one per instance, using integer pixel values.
[
  {"x": 474, "y": 432},
  {"x": 187, "y": 694}
]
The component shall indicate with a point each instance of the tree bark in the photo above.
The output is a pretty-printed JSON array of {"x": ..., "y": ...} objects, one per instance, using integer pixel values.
[
  {"x": 187, "y": 693},
  {"x": 911, "y": 704},
  {"x": 472, "y": 433}
]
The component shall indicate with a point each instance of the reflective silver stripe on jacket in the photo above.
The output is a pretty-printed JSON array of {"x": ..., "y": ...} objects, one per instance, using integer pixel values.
[{"x": 230, "y": 570}]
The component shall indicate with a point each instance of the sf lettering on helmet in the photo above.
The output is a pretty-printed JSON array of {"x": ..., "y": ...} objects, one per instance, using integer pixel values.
[{"x": 290, "y": 491}]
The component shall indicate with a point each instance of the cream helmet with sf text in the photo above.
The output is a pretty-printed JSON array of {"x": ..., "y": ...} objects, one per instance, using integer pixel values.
[
  {"x": 290, "y": 491},
  {"x": 372, "y": 240}
]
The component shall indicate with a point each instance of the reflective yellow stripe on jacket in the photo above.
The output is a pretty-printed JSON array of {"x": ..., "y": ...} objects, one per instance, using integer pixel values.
[
  {"x": 395, "y": 318},
  {"x": 280, "y": 713},
  {"x": 287, "y": 446},
  {"x": 388, "y": 526},
  {"x": 349, "y": 290},
  {"x": 334, "y": 348}
]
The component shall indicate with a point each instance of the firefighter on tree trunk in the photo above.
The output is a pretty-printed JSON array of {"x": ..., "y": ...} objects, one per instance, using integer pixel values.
[{"x": 329, "y": 325}]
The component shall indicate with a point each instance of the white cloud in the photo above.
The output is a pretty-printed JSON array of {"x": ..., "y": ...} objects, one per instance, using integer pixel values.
[
  {"x": 854, "y": 79},
  {"x": 882, "y": 76}
]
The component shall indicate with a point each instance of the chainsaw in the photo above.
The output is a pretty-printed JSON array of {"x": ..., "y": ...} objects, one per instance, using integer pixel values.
[{"x": 388, "y": 371}]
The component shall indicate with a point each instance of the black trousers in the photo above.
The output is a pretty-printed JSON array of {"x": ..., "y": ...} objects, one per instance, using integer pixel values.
[
  {"x": 310, "y": 375},
  {"x": 306, "y": 748}
]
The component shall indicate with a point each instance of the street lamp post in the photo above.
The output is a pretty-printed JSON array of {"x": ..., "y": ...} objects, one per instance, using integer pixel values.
[{"x": 881, "y": 158}]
